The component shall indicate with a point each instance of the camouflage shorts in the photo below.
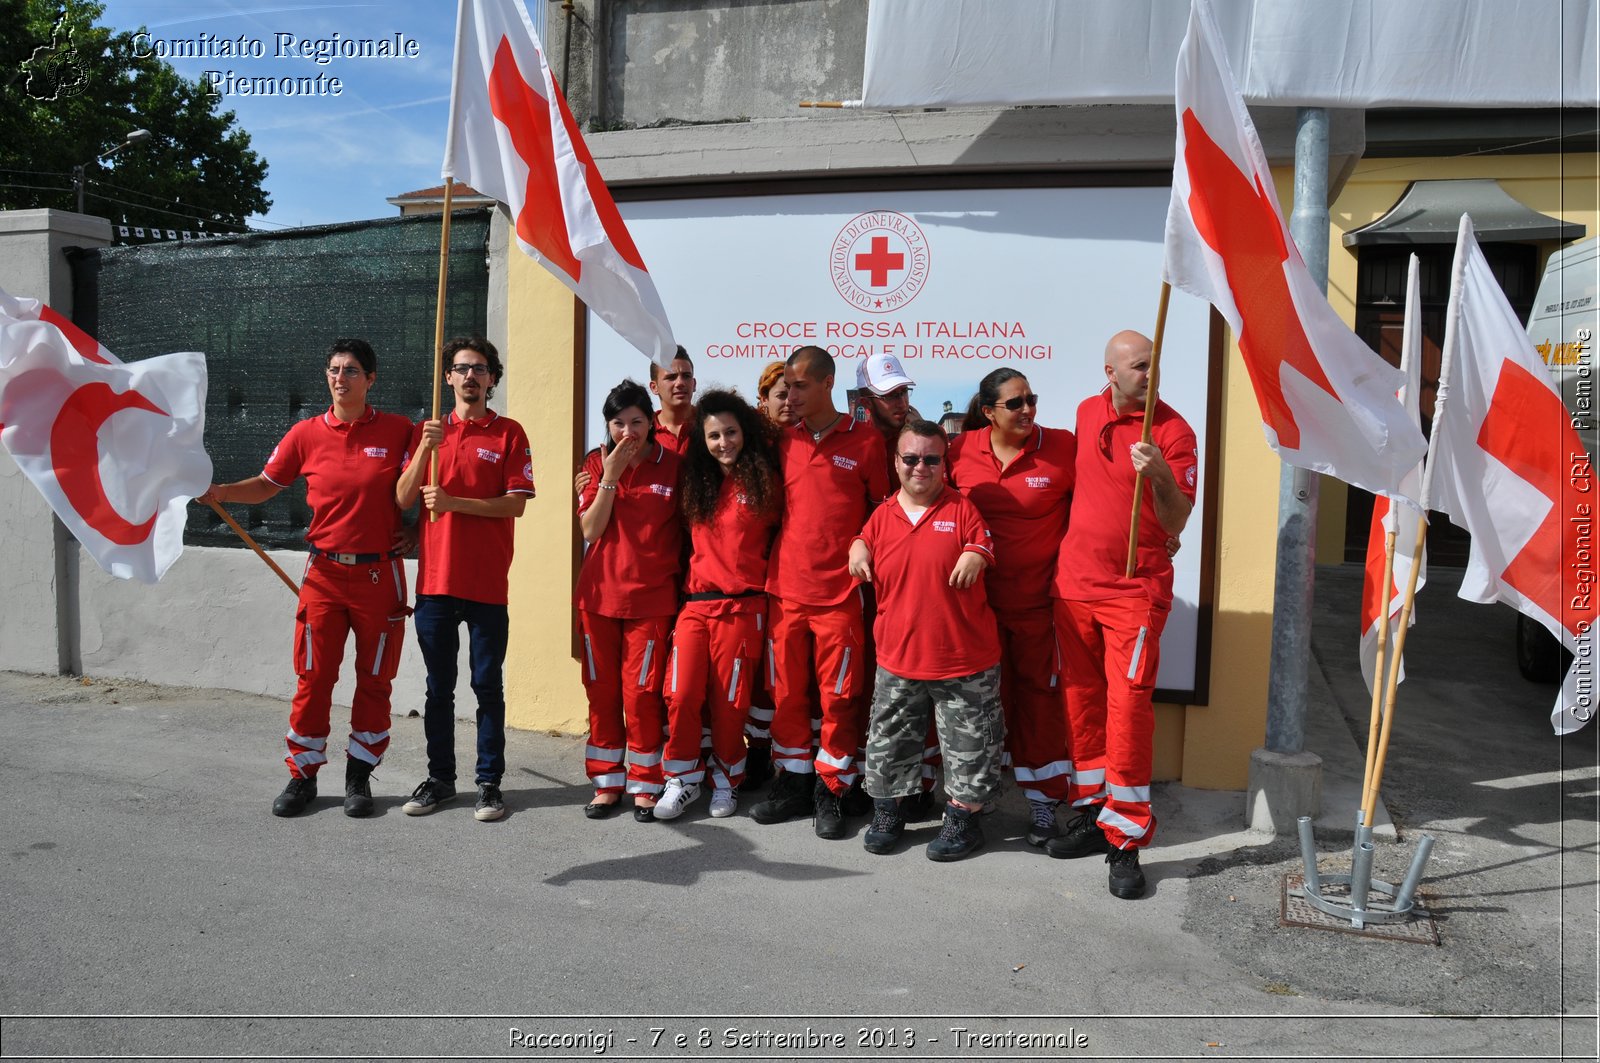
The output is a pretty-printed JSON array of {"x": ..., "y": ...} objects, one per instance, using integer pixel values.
[{"x": 971, "y": 729}]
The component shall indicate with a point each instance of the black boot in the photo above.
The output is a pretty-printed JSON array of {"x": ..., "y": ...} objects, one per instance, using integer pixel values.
[
  {"x": 790, "y": 797},
  {"x": 757, "y": 769},
  {"x": 357, "y": 788},
  {"x": 829, "y": 816},
  {"x": 295, "y": 797},
  {"x": 960, "y": 837}
]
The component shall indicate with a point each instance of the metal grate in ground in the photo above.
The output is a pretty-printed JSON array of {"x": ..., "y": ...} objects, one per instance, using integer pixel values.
[{"x": 1419, "y": 929}]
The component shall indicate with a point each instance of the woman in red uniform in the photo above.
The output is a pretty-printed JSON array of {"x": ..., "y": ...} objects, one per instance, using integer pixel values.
[
  {"x": 731, "y": 497},
  {"x": 627, "y": 595},
  {"x": 772, "y": 391},
  {"x": 1020, "y": 476},
  {"x": 772, "y": 399},
  {"x": 351, "y": 457}
]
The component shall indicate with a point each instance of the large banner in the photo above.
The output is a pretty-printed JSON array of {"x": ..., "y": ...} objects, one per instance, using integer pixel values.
[{"x": 954, "y": 283}]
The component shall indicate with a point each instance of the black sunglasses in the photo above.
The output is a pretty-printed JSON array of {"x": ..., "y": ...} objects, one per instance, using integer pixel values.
[
  {"x": 1020, "y": 401},
  {"x": 911, "y": 461}
]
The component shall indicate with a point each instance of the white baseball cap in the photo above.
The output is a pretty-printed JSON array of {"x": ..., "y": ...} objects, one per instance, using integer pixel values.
[{"x": 881, "y": 374}]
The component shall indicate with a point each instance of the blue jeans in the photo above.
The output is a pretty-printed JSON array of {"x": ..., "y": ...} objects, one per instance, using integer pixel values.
[{"x": 438, "y": 619}]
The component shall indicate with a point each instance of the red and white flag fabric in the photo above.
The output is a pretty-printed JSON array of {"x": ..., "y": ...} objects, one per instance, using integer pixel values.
[
  {"x": 1327, "y": 400},
  {"x": 116, "y": 449},
  {"x": 1507, "y": 465},
  {"x": 512, "y": 137},
  {"x": 1380, "y": 599}
]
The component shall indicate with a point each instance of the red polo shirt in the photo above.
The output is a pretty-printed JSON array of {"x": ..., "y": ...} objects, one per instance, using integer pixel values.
[
  {"x": 926, "y": 629},
  {"x": 632, "y": 570},
  {"x": 350, "y": 470},
  {"x": 462, "y": 554},
  {"x": 679, "y": 443},
  {"x": 1094, "y": 554},
  {"x": 730, "y": 553},
  {"x": 829, "y": 488},
  {"x": 1025, "y": 505}
]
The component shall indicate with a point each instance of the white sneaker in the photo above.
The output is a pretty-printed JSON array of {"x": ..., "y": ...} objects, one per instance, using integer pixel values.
[
  {"x": 723, "y": 802},
  {"x": 675, "y": 797}
]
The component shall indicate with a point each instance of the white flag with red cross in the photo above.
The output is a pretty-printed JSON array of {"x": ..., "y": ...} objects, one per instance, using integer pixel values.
[
  {"x": 1377, "y": 598},
  {"x": 512, "y": 137},
  {"x": 117, "y": 449},
  {"x": 1327, "y": 400},
  {"x": 1507, "y": 465}
]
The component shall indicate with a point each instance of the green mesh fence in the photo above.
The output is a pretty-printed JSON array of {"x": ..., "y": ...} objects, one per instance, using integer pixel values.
[{"x": 264, "y": 307}]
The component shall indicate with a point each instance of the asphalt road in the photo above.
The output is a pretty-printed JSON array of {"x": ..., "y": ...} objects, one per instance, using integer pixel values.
[{"x": 155, "y": 908}]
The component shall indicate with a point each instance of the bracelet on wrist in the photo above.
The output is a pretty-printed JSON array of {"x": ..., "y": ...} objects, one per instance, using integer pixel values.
[{"x": 607, "y": 486}]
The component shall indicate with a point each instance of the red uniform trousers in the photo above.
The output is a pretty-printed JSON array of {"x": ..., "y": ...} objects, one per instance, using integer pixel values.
[
  {"x": 1030, "y": 692},
  {"x": 1110, "y": 652},
  {"x": 623, "y": 664},
  {"x": 336, "y": 599},
  {"x": 716, "y": 659},
  {"x": 820, "y": 644}
]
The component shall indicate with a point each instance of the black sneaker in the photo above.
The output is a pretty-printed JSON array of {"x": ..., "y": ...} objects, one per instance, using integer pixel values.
[
  {"x": 1125, "y": 878},
  {"x": 429, "y": 795},
  {"x": 886, "y": 828},
  {"x": 790, "y": 797},
  {"x": 828, "y": 819},
  {"x": 961, "y": 836},
  {"x": 757, "y": 769},
  {"x": 855, "y": 801},
  {"x": 491, "y": 806},
  {"x": 357, "y": 788},
  {"x": 1042, "y": 826},
  {"x": 295, "y": 797},
  {"x": 1083, "y": 837}
]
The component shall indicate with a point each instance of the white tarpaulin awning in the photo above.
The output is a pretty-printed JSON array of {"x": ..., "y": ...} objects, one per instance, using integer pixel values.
[{"x": 1307, "y": 53}]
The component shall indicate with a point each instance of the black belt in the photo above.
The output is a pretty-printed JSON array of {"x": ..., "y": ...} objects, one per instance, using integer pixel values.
[
  {"x": 354, "y": 559},
  {"x": 718, "y": 596}
]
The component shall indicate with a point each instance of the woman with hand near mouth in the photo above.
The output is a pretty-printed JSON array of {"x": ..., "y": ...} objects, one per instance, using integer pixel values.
[
  {"x": 351, "y": 457},
  {"x": 732, "y": 496},
  {"x": 627, "y": 594}
]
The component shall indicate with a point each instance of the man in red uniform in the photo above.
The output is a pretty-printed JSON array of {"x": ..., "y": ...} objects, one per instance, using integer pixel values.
[
  {"x": 351, "y": 458},
  {"x": 674, "y": 388},
  {"x": 1109, "y": 625},
  {"x": 886, "y": 392},
  {"x": 938, "y": 652},
  {"x": 833, "y": 474},
  {"x": 485, "y": 479}
]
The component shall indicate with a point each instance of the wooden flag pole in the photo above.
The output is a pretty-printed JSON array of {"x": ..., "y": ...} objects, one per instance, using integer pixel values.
[
  {"x": 252, "y": 544},
  {"x": 438, "y": 329},
  {"x": 1378, "y": 674},
  {"x": 1369, "y": 797},
  {"x": 1149, "y": 414}
]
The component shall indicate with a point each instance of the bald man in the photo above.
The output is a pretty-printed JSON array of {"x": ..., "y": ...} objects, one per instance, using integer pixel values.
[{"x": 1108, "y": 624}]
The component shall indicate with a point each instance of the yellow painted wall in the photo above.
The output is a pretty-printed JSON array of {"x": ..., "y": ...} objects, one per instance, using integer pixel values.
[
  {"x": 1562, "y": 186},
  {"x": 543, "y": 687}
]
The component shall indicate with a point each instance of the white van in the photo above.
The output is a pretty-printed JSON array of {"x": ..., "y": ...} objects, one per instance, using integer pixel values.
[{"x": 1563, "y": 327}]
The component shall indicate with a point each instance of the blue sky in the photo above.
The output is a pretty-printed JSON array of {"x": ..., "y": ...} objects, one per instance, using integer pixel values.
[{"x": 330, "y": 158}]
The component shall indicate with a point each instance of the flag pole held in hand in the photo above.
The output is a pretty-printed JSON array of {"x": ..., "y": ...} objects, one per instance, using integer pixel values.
[
  {"x": 1149, "y": 415},
  {"x": 252, "y": 544}
]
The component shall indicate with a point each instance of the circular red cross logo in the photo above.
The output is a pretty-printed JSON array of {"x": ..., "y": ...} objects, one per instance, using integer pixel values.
[{"x": 879, "y": 261}]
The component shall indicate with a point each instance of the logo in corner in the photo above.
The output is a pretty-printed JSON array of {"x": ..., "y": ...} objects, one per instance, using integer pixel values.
[
  {"x": 54, "y": 70},
  {"x": 879, "y": 261}
]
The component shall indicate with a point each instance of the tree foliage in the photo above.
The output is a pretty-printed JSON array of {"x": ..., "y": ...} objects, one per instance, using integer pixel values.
[{"x": 70, "y": 89}]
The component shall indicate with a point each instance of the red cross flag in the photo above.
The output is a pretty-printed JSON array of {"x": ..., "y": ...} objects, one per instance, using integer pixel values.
[
  {"x": 1327, "y": 401},
  {"x": 1507, "y": 465},
  {"x": 116, "y": 449},
  {"x": 1377, "y": 598},
  {"x": 511, "y": 136}
]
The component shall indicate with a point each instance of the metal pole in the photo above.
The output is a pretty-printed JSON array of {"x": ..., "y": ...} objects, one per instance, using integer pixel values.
[
  {"x": 77, "y": 183},
  {"x": 1297, "y": 488}
]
